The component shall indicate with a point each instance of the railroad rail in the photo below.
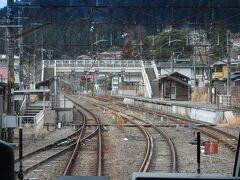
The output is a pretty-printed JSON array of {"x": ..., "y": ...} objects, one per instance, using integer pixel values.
[
  {"x": 208, "y": 129},
  {"x": 99, "y": 135},
  {"x": 220, "y": 136},
  {"x": 42, "y": 150},
  {"x": 149, "y": 152},
  {"x": 148, "y": 155},
  {"x": 51, "y": 151},
  {"x": 71, "y": 161}
]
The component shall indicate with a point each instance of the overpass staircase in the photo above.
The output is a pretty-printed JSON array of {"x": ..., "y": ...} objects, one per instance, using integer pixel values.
[
  {"x": 152, "y": 73},
  {"x": 30, "y": 113}
]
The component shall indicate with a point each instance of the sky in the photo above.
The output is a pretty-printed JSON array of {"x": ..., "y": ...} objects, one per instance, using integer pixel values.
[{"x": 3, "y": 3}]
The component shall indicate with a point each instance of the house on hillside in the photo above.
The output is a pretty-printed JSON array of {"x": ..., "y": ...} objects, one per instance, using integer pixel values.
[
  {"x": 186, "y": 67},
  {"x": 174, "y": 86},
  {"x": 111, "y": 55},
  {"x": 220, "y": 72}
]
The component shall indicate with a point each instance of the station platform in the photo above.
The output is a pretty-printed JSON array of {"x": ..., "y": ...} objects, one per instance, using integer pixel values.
[
  {"x": 195, "y": 104},
  {"x": 206, "y": 112}
]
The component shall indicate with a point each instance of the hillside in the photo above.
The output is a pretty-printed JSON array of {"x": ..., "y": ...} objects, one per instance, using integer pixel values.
[{"x": 74, "y": 25}]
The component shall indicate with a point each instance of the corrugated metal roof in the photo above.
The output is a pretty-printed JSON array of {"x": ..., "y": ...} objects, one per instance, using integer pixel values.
[{"x": 170, "y": 76}]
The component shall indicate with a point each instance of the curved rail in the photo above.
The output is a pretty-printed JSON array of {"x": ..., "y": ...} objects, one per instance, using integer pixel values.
[
  {"x": 44, "y": 148},
  {"x": 170, "y": 144},
  {"x": 149, "y": 151},
  {"x": 71, "y": 161},
  {"x": 232, "y": 143},
  {"x": 56, "y": 154},
  {"x": 220, "y": 136},
  {"x": 98, "y": 131}
]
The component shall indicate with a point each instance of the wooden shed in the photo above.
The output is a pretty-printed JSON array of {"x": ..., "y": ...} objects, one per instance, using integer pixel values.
[{"x": 174, "y": 86}]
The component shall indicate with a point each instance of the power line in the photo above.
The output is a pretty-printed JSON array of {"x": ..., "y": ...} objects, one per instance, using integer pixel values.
[{"x": 127, "y": 6}]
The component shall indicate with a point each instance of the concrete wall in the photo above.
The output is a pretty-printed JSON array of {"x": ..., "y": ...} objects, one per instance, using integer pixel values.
[
  {"x": 202, "y": 114},
  {"x": 65, "y": 102},
  {"x": 49, "y": 117},
  {"x": 66, "y": 116}
]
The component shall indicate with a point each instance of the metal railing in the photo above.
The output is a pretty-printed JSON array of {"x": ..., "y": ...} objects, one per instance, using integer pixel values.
[
  {"x": 23, "y": 105},
  {"x": 155, "y": 69},
  {"x": 26, "y": 120},
  {"x": 38, "y": 122},
  {"x": 224, "y": 100},
  {"x": 146, "y": 81},
  {"x": 94, "y": 63}
]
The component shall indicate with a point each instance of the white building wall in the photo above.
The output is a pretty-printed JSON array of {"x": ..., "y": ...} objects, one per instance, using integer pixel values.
[{"x": 187, "y": 72}]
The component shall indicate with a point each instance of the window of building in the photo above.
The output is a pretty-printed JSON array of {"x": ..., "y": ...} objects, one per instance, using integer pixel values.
[
  {"x": 233, "y": 68},
  {"x": 219, "y": 68},
  {"x": 167, "y": 89}
]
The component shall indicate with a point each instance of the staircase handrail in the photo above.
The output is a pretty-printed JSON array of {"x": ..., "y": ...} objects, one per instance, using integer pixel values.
[
  {"x": 147, "y": 64},
  {"x": 146, "y": 81},
  {"x": 155, "y": 68},
  {"x": 23, "y": 105},
  {"x": 38, "y": 122}
]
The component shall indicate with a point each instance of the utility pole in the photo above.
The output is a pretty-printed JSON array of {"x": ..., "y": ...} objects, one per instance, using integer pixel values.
[
  {"x": 35, "y": 64},
  {"x": 20, "y": 42},
  {"x": 210, "y": 81},
  {"x": 10, "y": 60},
  {"x": 229, "y": 69},
  {"x": 194, "y": 66},
  {"x": 34, "y": 59},
  {"x": 42, "y": 76}
]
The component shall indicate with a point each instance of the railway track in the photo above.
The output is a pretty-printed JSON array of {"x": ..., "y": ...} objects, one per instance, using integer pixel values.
[
  {"x": 206, "y": 128},
  {"x": 220, "y": 136},
  {"x": 82, "y": 153},
  {"x": 46, "y": 154},
  {"x": 37, "y": 157},
  {"x": 144, "y": 167}
]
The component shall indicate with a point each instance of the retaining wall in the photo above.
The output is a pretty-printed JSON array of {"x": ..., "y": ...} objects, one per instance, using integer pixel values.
[{"x": 213, "y": 116}]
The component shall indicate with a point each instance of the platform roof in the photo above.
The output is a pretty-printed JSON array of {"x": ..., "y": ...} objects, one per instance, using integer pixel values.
[{"x": 31, "y": 91}]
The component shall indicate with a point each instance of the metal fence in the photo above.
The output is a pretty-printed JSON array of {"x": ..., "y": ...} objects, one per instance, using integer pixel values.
[
  {"x": 220, "y": 97},
  {"x": 232, "y": 100}
]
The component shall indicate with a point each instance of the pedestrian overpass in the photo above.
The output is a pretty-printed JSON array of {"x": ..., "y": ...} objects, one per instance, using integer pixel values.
[{"x": 102, "y": 66}]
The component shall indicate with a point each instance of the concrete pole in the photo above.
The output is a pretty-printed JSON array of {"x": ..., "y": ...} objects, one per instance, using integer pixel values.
[
  {"x": 194, "y": 67},
  {"x": 42, "y": 78},
  {"x": 55, "y": 85},
  {"x": 10, "y": 60},
  {"x": 44, "y": 101},
  {"x": 20, "y": 42},
  {"x": 229, "y": 69},
  {"x": 210, "y": 84},
  {"x": 86, "y": 84},
  {"x": 171, "y": 63}
]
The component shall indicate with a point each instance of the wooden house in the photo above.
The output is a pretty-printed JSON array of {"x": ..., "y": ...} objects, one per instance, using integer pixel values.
[{"x": 174, "y": 86}]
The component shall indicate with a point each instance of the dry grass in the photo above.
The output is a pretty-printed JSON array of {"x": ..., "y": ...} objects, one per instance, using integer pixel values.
[
  {"x": 195, "y": 96},
  {"x": 140, "y": 93},
  {"x": 231, "y": 123},
  {"x": 204, "y": 98},
  {"x": 119, "y": 120},
  {"x": 199, "y": 98}
]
